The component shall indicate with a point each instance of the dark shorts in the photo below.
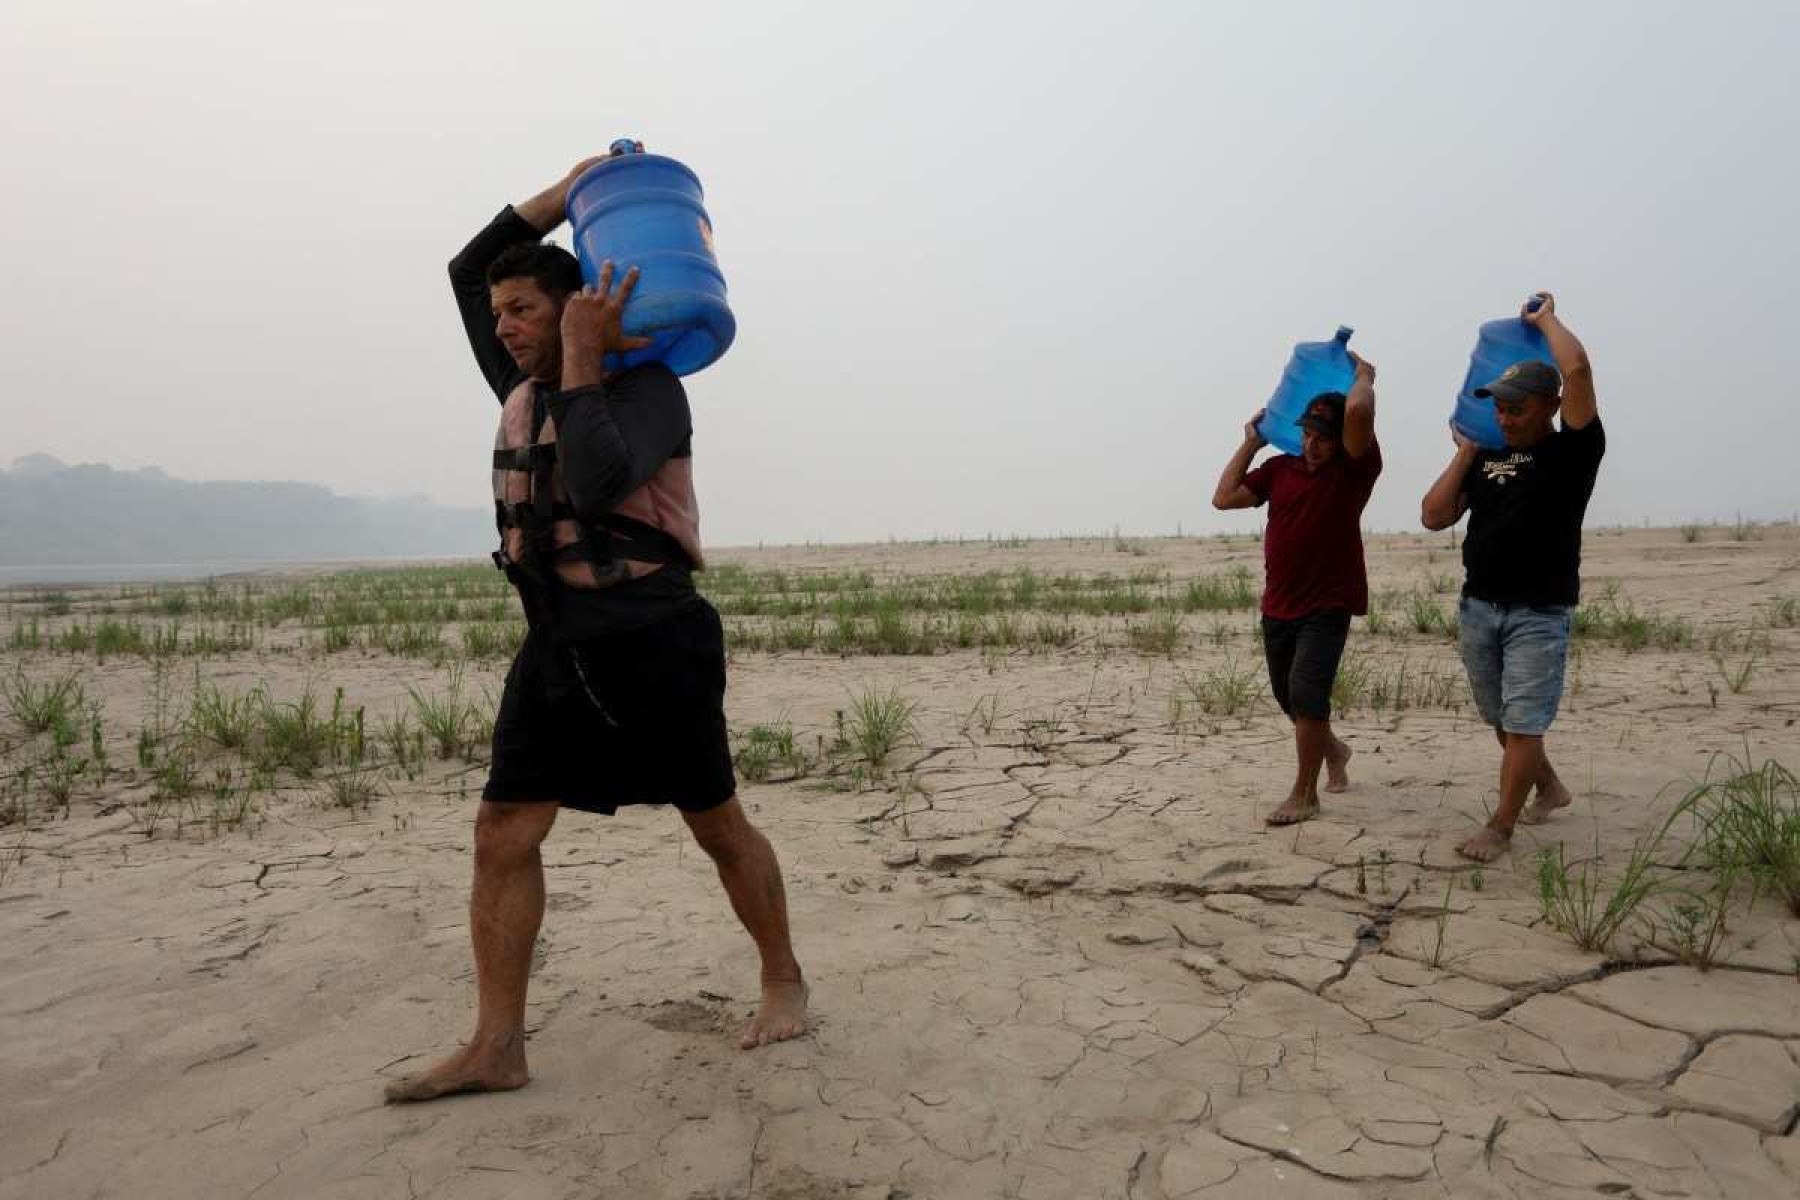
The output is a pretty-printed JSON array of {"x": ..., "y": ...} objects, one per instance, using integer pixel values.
[
  {"x": 629, "y": 718},
  {"x": 1303, "y": 660}
]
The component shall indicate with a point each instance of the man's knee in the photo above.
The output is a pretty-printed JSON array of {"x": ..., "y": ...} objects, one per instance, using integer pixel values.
[
  {"x": 506, "y": 834},
  {"x": 724, "y": 833}
]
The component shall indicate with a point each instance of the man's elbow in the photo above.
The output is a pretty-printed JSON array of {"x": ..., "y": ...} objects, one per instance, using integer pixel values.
[
  {"x": 1234, "y": 499},
  {"x": 463, "y": 274},
  {"x": 1435, "y": 519}
]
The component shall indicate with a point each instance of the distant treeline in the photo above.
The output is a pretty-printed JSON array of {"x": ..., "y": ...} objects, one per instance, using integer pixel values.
[{"x": 51, "y": 513}]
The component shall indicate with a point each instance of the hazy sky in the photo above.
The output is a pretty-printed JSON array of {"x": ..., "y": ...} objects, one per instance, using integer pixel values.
[{"x": 1008, "y": 268}]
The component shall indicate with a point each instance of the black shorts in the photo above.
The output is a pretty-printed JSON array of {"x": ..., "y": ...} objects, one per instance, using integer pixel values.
[
  {"x": 1303, "y": 660},
  {"x": 630, "y": 718}
]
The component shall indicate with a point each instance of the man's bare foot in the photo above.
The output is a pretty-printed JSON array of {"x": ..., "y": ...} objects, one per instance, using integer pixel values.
[
  {"x": 781, "y": 1017},
  {"x": 1337, "y": 776},
  {"x": 1545, "y": 803},
  {"x": 471, "y": 1069},
  {"x": 1293, "y": 810},
  {"x": 1485, "y": 846}
]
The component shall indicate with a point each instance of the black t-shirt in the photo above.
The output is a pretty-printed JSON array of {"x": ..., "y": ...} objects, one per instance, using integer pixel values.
[{"x": 1525, "y": 513}]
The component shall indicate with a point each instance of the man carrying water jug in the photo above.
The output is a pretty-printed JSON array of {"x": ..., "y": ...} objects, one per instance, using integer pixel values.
[
  {"x": 617, "y": 693},
  {"x": 1316, "y": 579},
  {"x": 1522, "y": 561}
]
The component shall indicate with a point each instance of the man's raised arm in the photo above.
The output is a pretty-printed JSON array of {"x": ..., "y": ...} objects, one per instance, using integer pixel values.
[
  {"x": 527, "y": 221},
  {"x": 1359, "y": 410},
  {"x": 1231, "y": 491},
  {"x": 1446, "y": 501},
  {"x": 1580, "y": 404}
]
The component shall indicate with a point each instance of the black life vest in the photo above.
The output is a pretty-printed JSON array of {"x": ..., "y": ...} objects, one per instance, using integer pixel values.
[{"x": 542, "y": 538}]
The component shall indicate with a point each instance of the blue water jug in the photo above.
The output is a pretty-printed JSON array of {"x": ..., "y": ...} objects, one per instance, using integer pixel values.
[
  {"x": 643, "y": 210},
  {"x": 1314, "y": 367},
  {"x": 1498, "y": 345}
]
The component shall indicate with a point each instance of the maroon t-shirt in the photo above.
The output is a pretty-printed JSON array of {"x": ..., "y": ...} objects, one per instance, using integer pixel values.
[{"x": 1312, "y": 550}]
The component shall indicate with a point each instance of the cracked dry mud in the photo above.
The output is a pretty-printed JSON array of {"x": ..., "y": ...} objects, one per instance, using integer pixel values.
[{"x": 1057, "y": 957}]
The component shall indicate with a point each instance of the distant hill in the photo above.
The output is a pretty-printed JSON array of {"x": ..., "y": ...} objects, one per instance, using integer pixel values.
[{"x": 53, "y": 513}]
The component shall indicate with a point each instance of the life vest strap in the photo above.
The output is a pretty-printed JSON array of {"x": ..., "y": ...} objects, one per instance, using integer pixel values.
[{"x": 524, "y": 458}]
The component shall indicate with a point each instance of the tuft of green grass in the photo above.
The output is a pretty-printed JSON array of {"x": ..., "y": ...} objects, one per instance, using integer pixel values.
[
  {"x": 294, "y": 735},
  {"x": 224, "y": 719},
  {"x": 1692, "y": 925},
  {"x": 123, "y": 637},
  {"x": 1577, "y": 899},
  {"x": 763, "y": 748},
  {"x": 175, "y": 775},
  {"x": 147, "y": 811},
  {"x": 1230, "y": 591},
  {"x": 354, "y": 789},
  {"x": 1427, "y": 615},
  {"x": 38, "y": 707},
  {"x": 492, "y": 639},
  {"x": 875, "y": 725},
  {"x": 1226, "y": 690},
  {"x": 1442, "y": 922},
  {"x": 231, "y": 802},
  {"x": 62, "y": 771},
  {"x": 449, "y": 720},
  {"x": 1748, "y": 820},
  {"x": 15, "y": 802},
  {"x": 1737, "y": 675},
  {"x": 1351, "y": 687},
  {"x": 1613, "y": 618},
  {"x": 1161, "y": 633},
  {"x": 411, "y": 639}
]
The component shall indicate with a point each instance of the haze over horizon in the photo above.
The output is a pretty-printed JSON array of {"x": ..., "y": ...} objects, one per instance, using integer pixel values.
[{"x": 1022, "y": 269}]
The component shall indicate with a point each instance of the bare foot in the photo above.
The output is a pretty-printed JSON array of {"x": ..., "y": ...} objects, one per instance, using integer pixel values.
[
  {"x": 781, "y": 1017},
  {"x": 1293, "y": 810},
  {"x": 1337, "y": 777},
  {"x": 1485, "y": 846},
  {"x": 472, "y": 1069},
  {"x": 1546, "y": 802}
]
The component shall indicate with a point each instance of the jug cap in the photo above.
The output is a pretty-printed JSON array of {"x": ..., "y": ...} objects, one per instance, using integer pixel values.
[{"x": 1343, "y": 334}]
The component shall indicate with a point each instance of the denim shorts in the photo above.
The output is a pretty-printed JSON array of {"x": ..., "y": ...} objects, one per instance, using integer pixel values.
[{"x": 1515, "y": 655}]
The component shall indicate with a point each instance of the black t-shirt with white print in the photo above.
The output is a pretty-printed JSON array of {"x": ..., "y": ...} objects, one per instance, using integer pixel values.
[{"x": 1525, "y": 514}]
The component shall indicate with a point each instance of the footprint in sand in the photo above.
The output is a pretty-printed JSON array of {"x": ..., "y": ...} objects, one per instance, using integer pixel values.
[{"x": 685, "y": 1016}]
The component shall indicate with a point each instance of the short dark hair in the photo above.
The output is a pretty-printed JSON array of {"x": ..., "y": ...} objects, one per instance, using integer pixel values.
[{"x": 549, "y": 266}]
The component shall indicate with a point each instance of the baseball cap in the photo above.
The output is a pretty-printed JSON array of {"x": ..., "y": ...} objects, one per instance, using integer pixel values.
[
  {"x": 1324, "y": 414},
  {"x": 1523, "y": 380}
]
